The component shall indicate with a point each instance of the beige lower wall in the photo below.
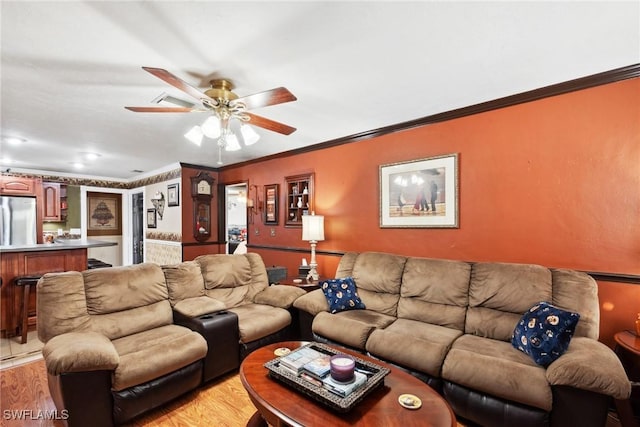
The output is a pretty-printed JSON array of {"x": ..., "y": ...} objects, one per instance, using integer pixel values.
[{"x": 162, "y": 252}]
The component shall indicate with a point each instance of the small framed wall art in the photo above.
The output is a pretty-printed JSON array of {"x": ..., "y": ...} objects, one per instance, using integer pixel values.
[
  {"x": 152, "y": 218},
  {"x": 420, "y": 193},
  {"x": 173, "y": 194},
  {"x": 271, "y": 204}
]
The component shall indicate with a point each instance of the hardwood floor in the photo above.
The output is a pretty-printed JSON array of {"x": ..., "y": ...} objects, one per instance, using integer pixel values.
[{"x": 225, "y": 403}]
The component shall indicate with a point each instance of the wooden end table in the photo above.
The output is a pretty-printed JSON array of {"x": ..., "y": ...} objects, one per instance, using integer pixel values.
[
  {"x": 280, "y": 405},
  {"x": 628, "y": 351},
  {"x": 307, "y": 285}
]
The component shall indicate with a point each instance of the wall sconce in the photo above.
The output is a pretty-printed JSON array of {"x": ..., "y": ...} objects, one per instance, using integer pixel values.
[{"x": 158, "y": 203}]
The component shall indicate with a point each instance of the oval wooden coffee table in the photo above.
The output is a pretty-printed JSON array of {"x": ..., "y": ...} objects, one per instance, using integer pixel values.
[{"x": 281, "y": 405}]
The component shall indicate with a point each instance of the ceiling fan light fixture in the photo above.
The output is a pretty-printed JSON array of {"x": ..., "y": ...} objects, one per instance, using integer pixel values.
[
  {"x": 249, "y": 135},
  {"x": 232, "y": 143},
  {"x": 195, "y": 135},
  {"x": 211, "y": 127}
]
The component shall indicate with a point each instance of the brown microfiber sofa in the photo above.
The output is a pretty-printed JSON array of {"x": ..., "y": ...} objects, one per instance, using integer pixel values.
[
  {"x": 123, "y": 340},
  {"x": 450, "y": 323}
]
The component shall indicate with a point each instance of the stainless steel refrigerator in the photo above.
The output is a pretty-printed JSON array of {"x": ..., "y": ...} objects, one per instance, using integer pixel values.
[{"x": 18, "y": 221}]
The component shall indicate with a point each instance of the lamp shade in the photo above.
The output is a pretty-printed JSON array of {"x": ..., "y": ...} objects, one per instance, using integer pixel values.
[
  {"x": 211, "y": 127},
  {"x": 313, "y": 227},
  {"x": 195, "y": 135}
]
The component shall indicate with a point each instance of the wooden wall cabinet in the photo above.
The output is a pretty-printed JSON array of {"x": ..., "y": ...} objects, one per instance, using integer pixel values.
[
  {"x": 18, "y": 186},
  {"x": 54, "y": 202},
  {"x": 298, "y": 198}
]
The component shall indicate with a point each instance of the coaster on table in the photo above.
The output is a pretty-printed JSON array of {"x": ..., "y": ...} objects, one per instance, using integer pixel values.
[
  {"x": 281, "y": 351},
  {"x": 409, "y": 401}
]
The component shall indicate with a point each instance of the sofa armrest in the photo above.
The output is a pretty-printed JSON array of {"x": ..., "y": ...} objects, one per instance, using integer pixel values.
[
  {"x": 79, "y": 352},
  {"x": 313, "y": 303},
  {"x": 590, "y": 365},
  {"x": 281, "y": 296}
]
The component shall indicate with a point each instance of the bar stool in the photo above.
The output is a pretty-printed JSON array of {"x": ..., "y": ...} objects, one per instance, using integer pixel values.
[{"x": 25, "y": 282}]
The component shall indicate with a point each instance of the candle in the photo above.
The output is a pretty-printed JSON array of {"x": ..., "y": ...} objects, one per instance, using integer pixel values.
[{"x": 342, "y": 367}]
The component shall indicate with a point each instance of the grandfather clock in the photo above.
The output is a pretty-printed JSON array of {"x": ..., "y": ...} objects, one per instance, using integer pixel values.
[{"x": 202, "y": 193}]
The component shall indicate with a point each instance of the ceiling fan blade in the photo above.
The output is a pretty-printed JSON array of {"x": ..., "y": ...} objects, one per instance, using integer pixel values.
[
  {"x": 266, "y": 98},
  {"x": 164, "y": 110},
  {"x": 270, "y": 124},
  {"x": 176, "y": 82}
]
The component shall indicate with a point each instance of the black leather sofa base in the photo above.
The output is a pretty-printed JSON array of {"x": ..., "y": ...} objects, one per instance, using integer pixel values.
[
  {"x": 89, "y": 401},
  {"x": 220, "y": 330},
  {"x": 136, "y": 400}
]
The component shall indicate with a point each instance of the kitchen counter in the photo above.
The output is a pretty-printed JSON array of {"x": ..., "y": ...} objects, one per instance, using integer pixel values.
[
  {"x": 58, "y": 245},
  {"x": 21, "y": 260}
]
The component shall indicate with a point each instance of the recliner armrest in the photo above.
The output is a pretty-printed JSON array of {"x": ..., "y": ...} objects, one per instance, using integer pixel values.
[
  {"x": 313, "y": 303},
  {"x": 590, "y": 365},
  {"x": 281, "y": 296},
  {"x": 79, "y": 352}
]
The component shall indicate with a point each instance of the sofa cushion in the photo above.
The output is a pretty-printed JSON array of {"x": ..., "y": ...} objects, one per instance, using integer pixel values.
[
  {"x": 341, "y": 294},
  {"x": 499, "y": 293},
  {"x": 435, "y": 291},
  {"x": 496, "y": 368},
  {"x": 416, "y": 345},
  {"x": 544, "y": 332},
  {"x": 233, "y": 279},
  {"x": 61, "y": 306},
  {"x": 109, "y": 290},
  {"x": 578, "y": 292},
  {"x": 194, "y": 307},
  {"x": 351, "y": 327},
  {"x": 133, "y": 321},
  {"x": 184, "y": 280},
  {"x": 378, "y": 276},
  {"x": 154, "y": 353},
  {"x": 256, "y": 321}
]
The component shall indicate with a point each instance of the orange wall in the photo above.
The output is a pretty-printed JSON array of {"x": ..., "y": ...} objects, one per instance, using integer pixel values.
[{"x": 554, "y": 182}]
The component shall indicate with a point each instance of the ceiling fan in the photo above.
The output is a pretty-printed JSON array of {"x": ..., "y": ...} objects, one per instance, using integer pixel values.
[{"x": 225, "y": 106}]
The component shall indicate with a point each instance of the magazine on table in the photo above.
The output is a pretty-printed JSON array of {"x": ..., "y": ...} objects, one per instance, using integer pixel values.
[
  {"x": 344, "y": 389},
  {"x": 318, "y": 368},
  {"x": 296, "y": 360}
]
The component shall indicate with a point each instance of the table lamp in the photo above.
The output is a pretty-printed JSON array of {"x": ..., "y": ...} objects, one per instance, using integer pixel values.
[{"x": 313, "y": 232}]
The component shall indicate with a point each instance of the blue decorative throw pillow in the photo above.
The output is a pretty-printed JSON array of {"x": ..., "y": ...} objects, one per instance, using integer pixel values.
[
  {"x": 342, "y": 294},
  {"x": 544, "y": 332}
]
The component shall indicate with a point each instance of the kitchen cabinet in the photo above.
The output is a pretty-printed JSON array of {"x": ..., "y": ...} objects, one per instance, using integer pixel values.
[
  {"x": 54, "y": 202},
  {"x": 298, "y": 198},
  {"x": 19, "y": 186}
]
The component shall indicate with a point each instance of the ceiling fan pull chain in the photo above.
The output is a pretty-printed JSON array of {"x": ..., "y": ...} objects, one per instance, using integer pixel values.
[{"x": 219, "y": 153}]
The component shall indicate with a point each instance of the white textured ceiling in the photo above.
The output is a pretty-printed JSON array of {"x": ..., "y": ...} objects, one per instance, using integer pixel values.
[{"x": 69, "y": 68}]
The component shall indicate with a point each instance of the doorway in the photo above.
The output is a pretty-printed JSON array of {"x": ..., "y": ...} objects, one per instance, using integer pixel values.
[
  {"x": 235, "y": 203},
  {"x": 137, "y": 227}
]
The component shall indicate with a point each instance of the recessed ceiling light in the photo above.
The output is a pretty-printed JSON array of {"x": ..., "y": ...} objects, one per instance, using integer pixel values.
[
  {"x": 77, "y": 165},
  {"x": 6, "y": 161},
  {"x": 15, "y": 140},
  {"x": 89, "y": 155}
]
